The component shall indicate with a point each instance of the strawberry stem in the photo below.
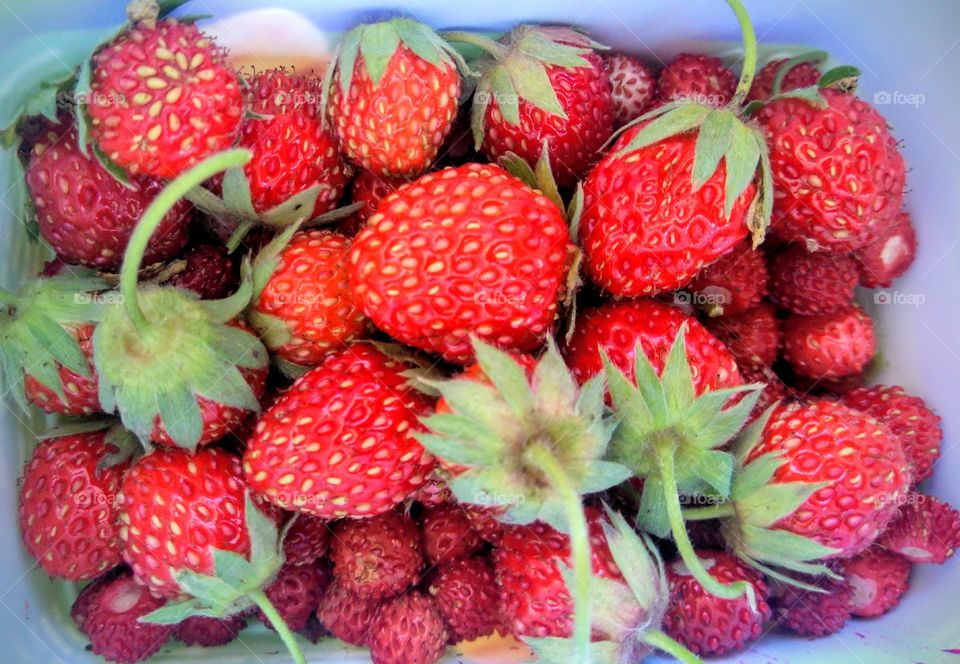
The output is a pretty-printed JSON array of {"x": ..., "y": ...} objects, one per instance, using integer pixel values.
[
  {"x": 814, "y": 57},
  {"x": 270, "y": 611},
  {"x": 541, "y": 457},
  {"x": 7, "y": 298},
  {"x": 661, "y": 641},
  {"x": 154, "y": 215},
  {"x": 717, "y": 511},
  {"x": 749, "y": 54},
  {"x": 491, "y": 46}
]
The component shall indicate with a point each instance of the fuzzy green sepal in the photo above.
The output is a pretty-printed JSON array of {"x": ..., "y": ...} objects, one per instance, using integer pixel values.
[{"x": 274, "y": 331}]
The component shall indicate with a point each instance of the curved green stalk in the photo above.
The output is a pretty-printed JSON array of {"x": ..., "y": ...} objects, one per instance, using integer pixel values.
[
  {"x": 671, "y": 496},
  {"x": 749, "y": 53},
  {"x": 718, "y": 511},
  {"x": 661, "y": 641},
  {"x": 270, "y": 611},
  {"x": 539, "y": 455},
  {"x": 493, "y": 47},
  {"x": 817, "y": 57},
  {"x": 154, "y": 215}
]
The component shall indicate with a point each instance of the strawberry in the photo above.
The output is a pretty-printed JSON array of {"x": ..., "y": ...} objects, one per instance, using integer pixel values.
[
  {"x": 67, "y": 495},
  {"x": 925, "y": 530},
  {"x": 812, "y": 283},
  {"x": 393, "y": 91},
  {"x": 733, "y": 284},
  {"x": 79, "y": 391},
  {"x": 111, "y": 621},
  {"x": 833, "y": 191},
  {"x": 774, "y": 389},
  {"x": 447, "y": 535},
  {"x": 162, "y": 98},
  {"x": 909, "y": 418},
  {"x": 340, "y": 441},
  {"x": 349, "y": 617},
  {"x": 307, "y": 540},
  {"x": 569, "y": 109},
  {"x": 434, "y": 493},
  {"x": 369, "y": 189},
  {"x": 709, "y": 625},
  {"x": 209, "y": 632},
  {"x": 798, "y": 75},
  {"x": 377, "y": 557},
  {"x": 424, "y": 272},
  {"x": 633, "y": 86},
  {"x": 209, "y": 271},
  {"x": 752, "y": 337},
  {"x": 484, "y": 522},
  {"x": 818, "y": 612},
  {"x": 879, "y": 578},
  {"x": 85, "y": 214},
  {"x": 293, "y": 153},
  {"x": 303, "y": 307},
  {"x": 889, "y": 253},
  {"x": 701, "y": 78},
  {"x": 296, "y": 592},
  {"x": 829, "y": 345},
  {"x": 466, "y": 594},
  {"x": 408, "y": 630}
]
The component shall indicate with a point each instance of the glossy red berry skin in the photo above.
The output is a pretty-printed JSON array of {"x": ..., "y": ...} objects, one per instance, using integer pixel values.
[
  {"x": 752, "y": 337},
  {"x": 447, "y": 535},
  {"x": 802, "y": 75},
  {"x": 307, "y": 540},
  {"x": 80, "y": 393},
  {"x": 879, "y": 579},
  {"x": 812, "y": 283},
  {"x": 378, "y": 557},
  {"x": 815, "y": 614},
  {"x": 925, "y": 530},
  {"x": 466, "y": 594},
  {"x": 369, "y": 189},
  {"x": 210, "y": 272},
  {"x": 700, "y": 78},
  {"x": 408, "y": 630},
  {"x": 733, "y": 284},
  {"x": 209, "y": 632},
  {"x": 889, "y": 253},
  {"x": 347, "y": 616},
  {"x": 831, "y": 345},
  {"x": 633, "y": 86},
  {"x": 295, "y": 593}
]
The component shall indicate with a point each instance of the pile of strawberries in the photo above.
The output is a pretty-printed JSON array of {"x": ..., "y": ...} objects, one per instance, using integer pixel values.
[{"x": 324, "y": 365}]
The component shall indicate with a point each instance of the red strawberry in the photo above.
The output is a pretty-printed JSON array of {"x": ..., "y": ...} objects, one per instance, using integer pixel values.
[
  {"x": 909, "y": 418},
  {"x": 434, "y": 493},
  {"x": 85, "y": 214},
  {"x": 209, "y": 632},
  {"x": 466, "y": 250},
  {"x": 700, "y": 78},
  {"x": 837, "y": 171},
  {"x": 368, "y": 188},
  {"x": 408, "y": 630},
  {"x": 80, "y": 392},
  {"x": 210, "y": 272},
  {"x": 163, "y": 97},
  {"x": 484, "y": 522},
  {"x": 633, "y": 86},
  {"x": 774, "y": 389},
  {"x": 829, "y": 345},
  {"x": 926, "y": 530},
  {"x": 295, "y": 593},
  {"x": 307, "y": 540},
  {"x": 392, "y": 105},
  {"x": 466, "y": 594},
  {"x": 67, "y": 497},
  {"x": 812, "y": 283},
  {"x": 111, "y": 621},
  {"x": 618, "y": 327},
  {"x": 644, "y": 229},
  {"x": 709, "y": 625},
  {"x": 733, "y": 284},
  {"x": 801, "y": 75},
  {"x": 340, "y": 441},
  {"x": 349, "y": 617},
  {"x": 574, "y": 116},
  {"x": 292, "y": 152},
  {"x": 818, "y": 614},
  {"x": 378, "y": 557},
  {"x": 752, "y": 337},
  {"x": 889, "y": 253},
  {"x": 879, "y": 578},
  {"x": 447, "y": 535}
]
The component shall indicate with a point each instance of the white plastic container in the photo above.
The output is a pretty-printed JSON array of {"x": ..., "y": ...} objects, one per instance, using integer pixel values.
[{"x": 910, "y": 56}]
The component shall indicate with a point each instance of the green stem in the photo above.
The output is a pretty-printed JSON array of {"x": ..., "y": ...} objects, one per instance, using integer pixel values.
[
  {"x": 718, "y": 511},
  {"x": 493, "y": 47},
  {"x": 661, "y": 641},
  {"x": 541, "y": 457},
  {"x": 154, "y": 215},
  {"x": 270, "y": 611},
  {"x": 671, "y": 496},
  {"x": 749, "y": 54},
  {"x": 816, "y": 57},
  {"x": 239, "y": 233},
  {"x": 7, "y": 298}
]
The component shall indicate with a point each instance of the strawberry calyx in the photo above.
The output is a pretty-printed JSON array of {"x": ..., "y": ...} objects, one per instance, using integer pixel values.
[
  {"x": 843, "y": 78},
  {"x": 274, "y": 331}
]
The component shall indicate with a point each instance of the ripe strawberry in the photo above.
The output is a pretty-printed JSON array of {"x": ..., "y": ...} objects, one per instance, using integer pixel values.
[
  {"x": 817, "y": 614},
  {"x": 466, "y": 594},
  {"x": 85, "y": 214},
  {"x": 447, "y": 535},
  {"x": 367, "y": 188},
  {"x": 209, "y": 632},
  {"x": 633, "y": 86},
  {"x": 701, "y": 78},
  {"x": 709, "y": 625},
  {"x": 80, "y": 395},
  {"x": 733, "y": 284},
  {"x": 210, "y": 272},
  {"x": 378, "y": 557},
  {"x": 349, "y": 617},
  {"x": 295, "y": 593},
  {"x": 752, "y": 337},
  {"x": 909, "y": 418},
  {"x": 163, "y": 97},
  {"x": 466, "y": 250},
  {"x": 570, "y": 110},
  {"x": 408, "y": 630},
  {"x": 801, "y": 75},
  {"x": 67, "y": 515},
  {"x": 618, "y": 327},
  {"x": 829, "y": 345},
  {"x": 774, "y": 389},
  {"x": 484, "y": 522},
  {"x": 434, "y": 493},
  {"x": 292, "y": 151},
  {"x": 175, "y": 508},
  {"x": 832, "y": 191},
  {"x": 812, "y": 283},
  {"x": 307, "y": 540},
  {"x": 925, "y": 530},
  {"x": 340, "y": 441},
  {"x": 393, "y": 95},
  {"x": 879, "y": 578},
  {"x": 889, "y": 253}
]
